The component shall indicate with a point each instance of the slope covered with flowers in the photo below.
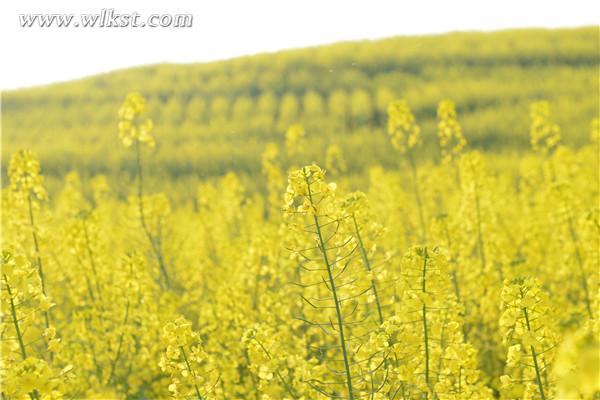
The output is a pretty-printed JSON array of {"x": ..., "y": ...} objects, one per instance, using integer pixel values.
[{"x": 472, "y": 277}]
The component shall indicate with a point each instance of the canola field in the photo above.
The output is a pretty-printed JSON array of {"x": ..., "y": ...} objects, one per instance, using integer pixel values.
[{"x": 448, "y": 271}]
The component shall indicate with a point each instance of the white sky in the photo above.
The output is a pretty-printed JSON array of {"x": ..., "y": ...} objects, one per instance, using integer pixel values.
[{"x": 227, "y": 28}]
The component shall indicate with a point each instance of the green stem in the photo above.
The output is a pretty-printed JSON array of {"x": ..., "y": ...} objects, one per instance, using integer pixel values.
[
  {"x": 119, "y": 346},
  {"x": 367, "y": 262},
  {"x": 534, "y": 355},
  {"x": 363, "y": 253},
  {"x": 581, "y": 266},
  {"x": 334, "y": 292},
  {"x": 13, "y": 312},
  {"x": 479, "y": 231},
  {"x": 187, "y": 363},
  {"x": 155, "y": 248},
  {"x": 453, "y": 274},
  {"x": 413, "y": 169},
  {"x": 426, "y": 343},
  {"x": 37, "y": 256},
  {"x": 279, "y": 376},
  {"x": 424, "y": 316},
  {"x": 91, "y": 257}
]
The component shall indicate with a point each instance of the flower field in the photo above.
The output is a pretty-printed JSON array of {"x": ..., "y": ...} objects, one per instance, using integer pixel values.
[{"x": 468, "y": 275}]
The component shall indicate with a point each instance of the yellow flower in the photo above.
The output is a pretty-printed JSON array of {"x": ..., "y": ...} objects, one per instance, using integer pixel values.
[
  {"x": 545, "y": 134},
  {"x": 402, "y": 127},
  {"x": 44, "y": 303},
  {"x": 25, "y": 177},
  {"x": 293, "y": 139},
  {"x": 450, "y": 134},
  {"x": 514, "y": 355},
  {"x": 334, "y": 160},
  {"x": 131, "y": 127}
]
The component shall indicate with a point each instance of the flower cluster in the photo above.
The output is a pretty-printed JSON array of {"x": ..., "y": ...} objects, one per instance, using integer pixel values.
[
  {"x": 531, "y": 339},
  {"x": 272, "y": 172},
  {"x": 431, "y": 358},
  {"x": 334, "y": 160},
  {"x": 186, "y": 361},
  {"x": 402, "y": 127},
  {"x": 25, "y": 177},
  {"x": 308, "y": 186},
  {"x": 132, "y": 126},
  {"x": 273, "y": 365},
  {"x": 27, "y": 347},
  {"x": 577, "y": 364},
  {"x": 544, "y": 134},
  {"x": 294, "y": 137},
  {"x": 450, "y": 134}
]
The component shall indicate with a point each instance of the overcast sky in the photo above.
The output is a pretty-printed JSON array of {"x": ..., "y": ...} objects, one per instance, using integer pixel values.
[{"x": 224, "y": 29}]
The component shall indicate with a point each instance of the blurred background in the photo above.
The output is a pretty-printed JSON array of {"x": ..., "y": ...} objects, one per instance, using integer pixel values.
[{"x": 216, "y": 104}]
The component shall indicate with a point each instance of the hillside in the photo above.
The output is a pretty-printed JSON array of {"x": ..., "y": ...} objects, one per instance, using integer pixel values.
[
  {"x": 291, "y": 229},
  {"x": 214, "y": 117}
]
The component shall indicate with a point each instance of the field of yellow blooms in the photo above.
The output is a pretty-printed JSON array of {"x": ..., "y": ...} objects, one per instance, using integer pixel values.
[{"x": 475, "y": 277}]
